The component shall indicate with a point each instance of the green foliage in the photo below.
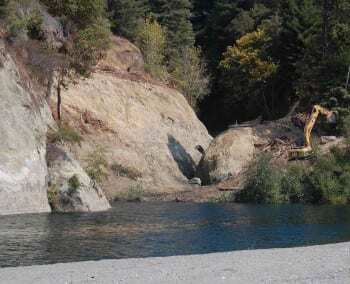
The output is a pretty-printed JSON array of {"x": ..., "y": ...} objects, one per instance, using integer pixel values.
[
  {"x": 90, "y": 45},
  {"x": 151, "y": 39},
  {"x": 190, "y": 76},
  {"x": 23, "y": 17},
  {"x": 127, "y": 16},
  {"x": 225, "y": 197},
  {"x": 327, "y": 181},
  {"x": 249, "y": 56},
  {"x": 346, "y": 126},
  {"x": 135, "y": 193},
  {"x": 97, "y": 165},
  {"x": 217, "y": 32},
  {"x": 246, "y": 72},
  {"x": 64, "y": 134},
  {"x": 175, "y": 17},
  {"x": 124, "y": 171},
  {"x": 307, "y": 40},
  {"x": 74, "y": 183},
  {"x": 88, "y": 32},
  {"x": 53, "y": 196},
  {"x": 81, "y": 12},
  {"x": 263, "y": 184}
]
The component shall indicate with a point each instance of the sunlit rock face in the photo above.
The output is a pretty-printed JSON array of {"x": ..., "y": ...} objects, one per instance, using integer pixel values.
[
  {"x": 24, "y": 175},
  {"x": 139, "y": 122},
  {"x": 227, "y": 156},
  {"x": 22, "y": 144},
  {"x": 73, "y": 189}
]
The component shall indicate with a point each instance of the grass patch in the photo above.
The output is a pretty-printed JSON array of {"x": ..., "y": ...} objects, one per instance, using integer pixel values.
[
  {"x": 64, "y": 134},
  {"x": 225, "y": 197},
  {"x": 135, "y": 193},
  {"x": 124, "y": 171},
  {"x": 97, "y": 165},
  {"x": 53, "y": 196}
]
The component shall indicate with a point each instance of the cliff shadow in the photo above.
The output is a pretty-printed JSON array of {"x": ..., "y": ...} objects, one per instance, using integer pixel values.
[{"x": 183, "y": 159}]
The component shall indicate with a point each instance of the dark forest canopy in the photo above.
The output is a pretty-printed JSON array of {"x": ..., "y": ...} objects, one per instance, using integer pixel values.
[{"x": 234, "y": 60}]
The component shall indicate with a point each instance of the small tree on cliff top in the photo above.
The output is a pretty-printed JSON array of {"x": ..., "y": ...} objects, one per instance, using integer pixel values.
[
  {"x": 88, "y": 38},
  {"x": 151, "y": 39}
]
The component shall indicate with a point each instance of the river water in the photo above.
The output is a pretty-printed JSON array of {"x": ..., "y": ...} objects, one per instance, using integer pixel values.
[{"x": 163, "y": 229}]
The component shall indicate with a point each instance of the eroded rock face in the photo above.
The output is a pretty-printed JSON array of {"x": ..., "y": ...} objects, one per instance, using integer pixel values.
[
  {"x": 22, "y": 145},
  {"x": 140, "y": 124},
  {"x": 24, "y": 176},
  {"x": 70, "y": 188},
  {"x": 227, "y": 156}
]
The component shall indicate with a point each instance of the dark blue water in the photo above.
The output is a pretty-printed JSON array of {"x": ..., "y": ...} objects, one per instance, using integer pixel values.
[{"x": 163, "y": 229}]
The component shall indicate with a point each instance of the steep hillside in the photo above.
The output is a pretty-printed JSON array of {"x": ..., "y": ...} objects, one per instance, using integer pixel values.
[
  {"x": 26, "y": 177},
  {"x": 139, "y": 123}
]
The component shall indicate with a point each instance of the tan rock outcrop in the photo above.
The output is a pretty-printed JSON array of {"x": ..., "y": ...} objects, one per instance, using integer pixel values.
[{"x": 140, "y": 124}]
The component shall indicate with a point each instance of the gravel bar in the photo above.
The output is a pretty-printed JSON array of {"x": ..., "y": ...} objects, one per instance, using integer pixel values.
[{"x": 316, "y": 264}]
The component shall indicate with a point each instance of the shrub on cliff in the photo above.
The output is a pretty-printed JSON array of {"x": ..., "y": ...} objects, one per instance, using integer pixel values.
[
  {"x": 126, "y": 171},
  {"x": 23, "y": 17},
  {"x": 64, "y": 134},
  {"x": 151, "y": 39},
  {"x": 190, "y": 75},
  {"x": 97, "y": 165}
]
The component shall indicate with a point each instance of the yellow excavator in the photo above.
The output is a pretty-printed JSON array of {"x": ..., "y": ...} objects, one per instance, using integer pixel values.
[{"x": 306, "y": 150}]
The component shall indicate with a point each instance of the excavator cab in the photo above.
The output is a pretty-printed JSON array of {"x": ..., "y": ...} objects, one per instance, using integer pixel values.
[{"x": 332, "y": 118}]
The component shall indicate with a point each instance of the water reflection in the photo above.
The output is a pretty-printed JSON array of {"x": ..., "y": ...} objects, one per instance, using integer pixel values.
[{"x": 151, "y": 229}]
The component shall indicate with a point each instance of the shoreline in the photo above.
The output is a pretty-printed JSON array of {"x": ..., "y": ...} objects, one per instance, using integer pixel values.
[{"x": 315, "y": 264}]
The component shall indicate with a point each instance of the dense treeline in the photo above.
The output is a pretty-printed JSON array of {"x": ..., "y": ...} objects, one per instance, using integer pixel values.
[
  {"x": 234, "y": 60},
  {"x": 262, "y": 56},
  {"x": 266, "y": 55},
  {"x": 164, "y": 32}
]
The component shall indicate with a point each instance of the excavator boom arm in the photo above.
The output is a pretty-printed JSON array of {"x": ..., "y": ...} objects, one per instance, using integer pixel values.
[
  {"x": 310, "y": 124},
  {"x": 316, "y": 111}
]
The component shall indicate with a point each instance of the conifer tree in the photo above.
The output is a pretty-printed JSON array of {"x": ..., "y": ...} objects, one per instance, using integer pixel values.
[
  {"x": 127, "y": 16},
  {"x": 175, "y": 16}
]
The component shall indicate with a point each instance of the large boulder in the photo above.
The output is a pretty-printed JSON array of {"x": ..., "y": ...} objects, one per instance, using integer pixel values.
[
  {"x": 22, "y": 144},
  {"x": 227, "y": 156},
  {"x": 70, "y": 188},
  {"x": 230, "y": 153}
]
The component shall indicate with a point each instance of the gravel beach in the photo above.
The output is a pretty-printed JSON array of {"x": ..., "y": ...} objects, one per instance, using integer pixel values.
[{"x": 317, "y": 264}]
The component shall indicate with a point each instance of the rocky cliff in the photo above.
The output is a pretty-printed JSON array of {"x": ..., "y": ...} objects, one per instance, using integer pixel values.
[
  {"x": 24, "y": 174},
  {"x": 147, "y": 131},
  {"x": 23, "y": 124},
  {"x": 140, "y": 124}
]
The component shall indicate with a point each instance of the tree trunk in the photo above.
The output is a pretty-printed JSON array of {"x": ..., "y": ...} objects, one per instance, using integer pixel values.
[
  {"x": 59, "y": 100},
  {"x": 347, "y": 80},
  {"x": 327, "y": 7}
]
